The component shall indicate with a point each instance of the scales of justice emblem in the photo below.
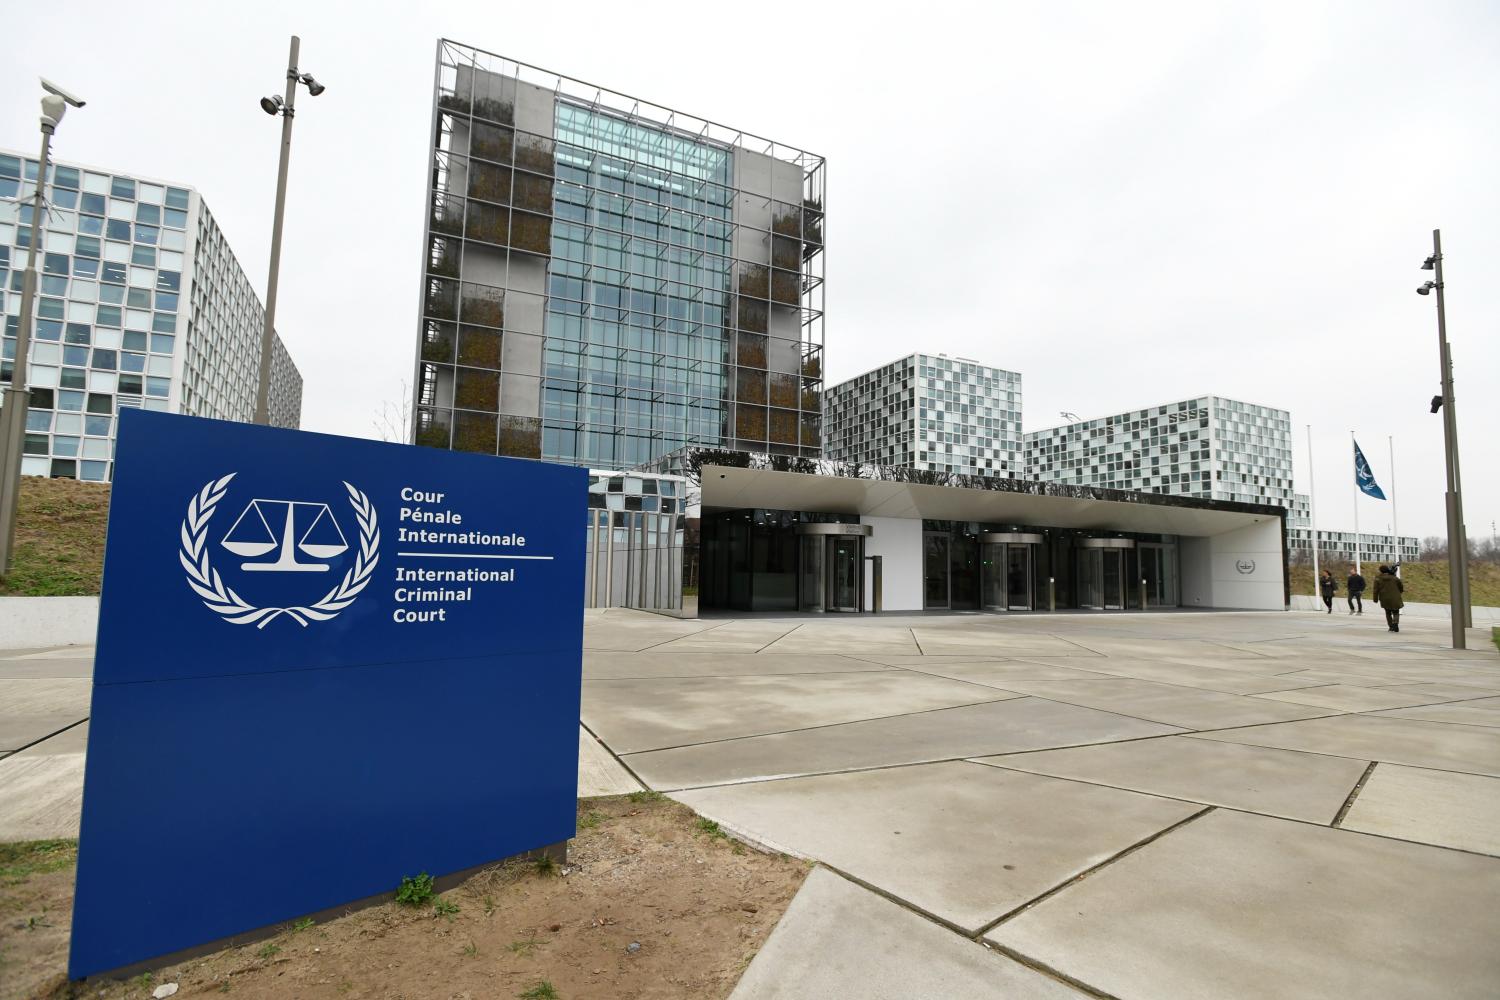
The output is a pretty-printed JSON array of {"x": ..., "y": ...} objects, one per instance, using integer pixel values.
[{"x": 283, "y": 530}]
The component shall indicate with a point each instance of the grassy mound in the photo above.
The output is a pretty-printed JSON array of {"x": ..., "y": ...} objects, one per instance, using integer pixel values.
[
  {"x": 1425, "y": 581},
  {"x": 59, "y": 538}
]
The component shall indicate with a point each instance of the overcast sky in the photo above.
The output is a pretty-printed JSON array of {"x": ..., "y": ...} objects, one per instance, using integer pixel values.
[{"x": 1127, "y": 203}]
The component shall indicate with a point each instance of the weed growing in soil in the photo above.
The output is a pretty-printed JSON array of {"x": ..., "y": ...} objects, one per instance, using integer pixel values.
[
  {"x": 589, "y": 820},
  {"x": 444, "y": 908},
  {"x": 541, "y": 991},
  {"x": 471, "y": 949},
  {"x": 545, "y": 865},
  {"x": 269, "y": 950},
  {"x": 414, "y": 891},
  {"x": 489, "y": 905},
  {"x": 302, "y": 925},
  {"x": 708, "y": 826},
  {"x": 646, "y": 796},
  {"x": 524, "y": 948}
]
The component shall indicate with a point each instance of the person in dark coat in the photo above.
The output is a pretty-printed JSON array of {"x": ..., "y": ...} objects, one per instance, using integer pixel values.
[
  {"x": 1328, "y": 586},
  {"x": 1388, "y": 590},
  {"x": 1356, "y": 588}
]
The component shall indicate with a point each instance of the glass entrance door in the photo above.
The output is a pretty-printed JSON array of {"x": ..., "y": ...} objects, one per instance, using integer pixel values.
[
  {"x": 1018, "y": 577},
  {"x": 844, "y": 574},
  {"x": 1101, "y": 579},
  {"x": 935, "y": 575},
  {"x": 1007, "y": 577},
  {"x": 993, "y": 557},
  {"x": 1159, "y": 570},
  {"x": 810, "y": 582}
]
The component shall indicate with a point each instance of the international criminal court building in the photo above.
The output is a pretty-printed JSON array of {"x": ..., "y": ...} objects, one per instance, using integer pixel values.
[{"x": 613, "y": 284}]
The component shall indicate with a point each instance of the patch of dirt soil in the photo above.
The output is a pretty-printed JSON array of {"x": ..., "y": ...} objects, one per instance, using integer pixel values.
[
  {"x": 642, "y": 870},
  {"x": 36, "y": 909}
]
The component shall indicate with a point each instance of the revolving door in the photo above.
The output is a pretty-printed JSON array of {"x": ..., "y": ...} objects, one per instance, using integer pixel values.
[
  {"x": 1009, "y": 560},
  {"x": 1103, "y": 573},
  {"x": 831, "y": 567}
]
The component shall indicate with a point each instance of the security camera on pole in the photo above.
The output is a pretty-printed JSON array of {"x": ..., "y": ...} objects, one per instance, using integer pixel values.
[
  {"x": 286, "y": 108},
  {"x": 1458, "y": 545},
  {"x": 13, "y": 412}
]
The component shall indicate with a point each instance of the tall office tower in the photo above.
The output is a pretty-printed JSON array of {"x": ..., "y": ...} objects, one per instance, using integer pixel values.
[
  {"x": 607, "y": 280},
  {"x": 928, "y": 412},
  {"x": 140, "y": 303},
  {"x": 1209, "y": 447}
]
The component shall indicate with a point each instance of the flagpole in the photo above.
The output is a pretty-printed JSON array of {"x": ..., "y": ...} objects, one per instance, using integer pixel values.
[
  {"x": 1312, "y": 508},
  {"x": 1395, "y": 524},
  {"x": 1355, "y": 483}
]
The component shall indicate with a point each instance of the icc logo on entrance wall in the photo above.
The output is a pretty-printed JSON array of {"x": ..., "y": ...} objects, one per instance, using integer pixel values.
[
  {"x": 1246, "y": 566},
  {"x": 277, "y": 536}
]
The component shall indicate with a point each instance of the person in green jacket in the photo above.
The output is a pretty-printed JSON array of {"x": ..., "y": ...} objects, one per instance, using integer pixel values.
[{"x": 1388, "y": 590}]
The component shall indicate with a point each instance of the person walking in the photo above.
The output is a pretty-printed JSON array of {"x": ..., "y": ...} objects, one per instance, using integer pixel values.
[
  {"x": 1328, "y": 586},
  {"x": 1356, "y": 589},
  {"x": 1388, "y": 591}
]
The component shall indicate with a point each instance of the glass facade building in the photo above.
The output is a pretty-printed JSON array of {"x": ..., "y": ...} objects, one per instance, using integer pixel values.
[
  {"x": 140, "y": 303},
  {"x": 928, "y": 412},
  {"x": 607, "y": 281}
]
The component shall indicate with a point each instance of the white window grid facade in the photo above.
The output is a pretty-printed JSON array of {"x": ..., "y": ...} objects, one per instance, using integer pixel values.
[
  {"x": 140, "y": 304},
  {"x": 928, "y": 412},
  {"x": 1206, "y": 446},
  {"x": 1340, "y": 544}
]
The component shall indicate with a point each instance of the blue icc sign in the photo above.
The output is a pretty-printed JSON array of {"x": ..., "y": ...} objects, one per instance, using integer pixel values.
[{"x": 323, "y": 664}]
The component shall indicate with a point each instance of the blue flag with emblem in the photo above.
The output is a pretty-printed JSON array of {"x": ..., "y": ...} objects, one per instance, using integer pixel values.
[{"x": 1363, "y": 477}]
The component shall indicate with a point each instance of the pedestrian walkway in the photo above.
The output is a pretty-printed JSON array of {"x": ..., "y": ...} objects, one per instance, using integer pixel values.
[
  {"x": 1117, "y": 805},
  {"x": 1142, "y": 806}
]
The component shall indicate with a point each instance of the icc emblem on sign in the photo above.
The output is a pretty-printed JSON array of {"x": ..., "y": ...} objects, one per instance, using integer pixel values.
[{"x": 277, "y": 536}]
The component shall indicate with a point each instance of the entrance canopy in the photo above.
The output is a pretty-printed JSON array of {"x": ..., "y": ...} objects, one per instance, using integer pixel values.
[{"x": 976, "y": 499}]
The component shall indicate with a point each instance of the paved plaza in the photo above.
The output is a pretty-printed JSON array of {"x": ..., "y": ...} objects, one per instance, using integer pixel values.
[{"x": 1121, "y": 805}]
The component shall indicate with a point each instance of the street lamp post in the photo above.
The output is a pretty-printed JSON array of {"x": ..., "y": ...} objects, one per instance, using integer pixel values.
[
  {"x": 1458, "y": 546},
  {"x": 13, "y": 413},
  {"x": 276, "y": 105}
]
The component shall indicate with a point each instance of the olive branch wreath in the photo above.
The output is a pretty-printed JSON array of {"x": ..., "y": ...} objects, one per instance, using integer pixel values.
[{"x": 222, "y": 599}]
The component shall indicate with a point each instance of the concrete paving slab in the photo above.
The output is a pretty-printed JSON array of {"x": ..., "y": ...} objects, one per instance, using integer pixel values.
[
  {"x": 1223, "y": 678},
  {"x": 1340, "y": 669},
  {"x": 1430, "y": 807},
  {"x": 945, "y": 734},
  {"x": 1380, "y": 737},
  {"x": 838, "y": 939},
  {"x": 660, "y": 663},
  {"x": 1301, "y": 786},
  {"x": 1349, "y": 698},
  {"x": 963, "y": 842},
  {"x": 74, "y": 739},
  {"x": 854, "y": 639},
  {"x": 51, "y": 653},
  {"x": 651, "y": 714},
  {"x": 17, "y": 731},
  {"x": 998, "y": 672},
  {"x": 26, "y": 668},
  {"x": 45, "y": 695},
  {"x": 988, "y": 641},
  {"x": 1233, "y": 905},
  {"x": 1448, "y": 692},
  {"x": 732, "y": 637},
  {"x": 40, "y": 797},
  {"x": 917, "y": 660},
  {"x": 636, "y": 631},
  {"x": 1467, "y": 713},
  {"x": 1189, "y": 708},
  {"x": 1195, "y": 649},
  {"x": 598, "y": 772}
]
